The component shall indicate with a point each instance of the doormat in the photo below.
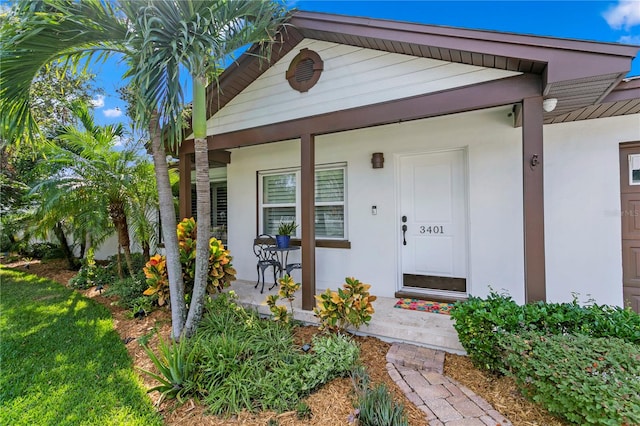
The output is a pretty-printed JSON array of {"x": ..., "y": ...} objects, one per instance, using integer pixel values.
[{"x": 424, "y": 306}]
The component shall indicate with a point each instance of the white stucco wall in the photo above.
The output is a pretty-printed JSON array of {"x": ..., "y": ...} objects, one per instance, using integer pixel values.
[
  {"x": 495, "y": 199},
  {"x": 582, "y": 202},
  {"x": 110, "y": 247},
  {"x": 582, "y": 208}
]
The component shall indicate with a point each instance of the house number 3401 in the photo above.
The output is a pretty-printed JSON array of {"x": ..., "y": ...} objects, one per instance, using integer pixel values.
[{"x": 432, "y": 229}]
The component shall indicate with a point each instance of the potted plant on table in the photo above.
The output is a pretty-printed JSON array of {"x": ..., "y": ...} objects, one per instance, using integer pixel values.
[{"x": 285, "y": 229}]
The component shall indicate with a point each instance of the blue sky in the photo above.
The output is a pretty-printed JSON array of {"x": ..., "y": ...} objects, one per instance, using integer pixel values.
[{"x": 607, "y": 21}]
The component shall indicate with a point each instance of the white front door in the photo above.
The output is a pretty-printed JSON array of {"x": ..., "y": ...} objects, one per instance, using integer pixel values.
[{"x": 433, "y": 218}]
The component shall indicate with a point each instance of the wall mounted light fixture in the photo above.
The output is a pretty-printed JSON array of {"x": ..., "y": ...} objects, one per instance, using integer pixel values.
[
  {"x": 377, "y": 160},
  {"x": 549, "y": 104}
]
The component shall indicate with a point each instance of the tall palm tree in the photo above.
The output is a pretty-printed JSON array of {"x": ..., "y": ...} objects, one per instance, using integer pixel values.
[
  {"x": 91, "y": 171},
  {"x": 160, "y": 39},
  {"x": 196, "y": 36}
]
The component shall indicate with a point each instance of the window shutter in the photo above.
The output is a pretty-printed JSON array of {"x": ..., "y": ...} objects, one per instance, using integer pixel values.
[
  {"x": 330, "y": 185},
  {"x": 279, "y": 189}
]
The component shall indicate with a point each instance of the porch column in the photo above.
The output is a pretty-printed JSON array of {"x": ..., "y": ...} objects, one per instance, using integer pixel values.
[
  {"x": 184, "y": 168},
  {"x": 533, "y": 199},
  {"x": 307, "y": 165}
]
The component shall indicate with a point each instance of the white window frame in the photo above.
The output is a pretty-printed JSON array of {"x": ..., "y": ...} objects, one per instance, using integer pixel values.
[{"x": 297, "y": 206}]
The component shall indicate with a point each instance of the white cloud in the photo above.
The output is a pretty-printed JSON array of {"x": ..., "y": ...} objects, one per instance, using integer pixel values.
[
  {"x": 113, "y": 112},
  {"x": 119, "y": 141},
  {"x": 98, "y": 102},
  {"x": 630, "y": 39},
  {"x": 625, "y": 14}
]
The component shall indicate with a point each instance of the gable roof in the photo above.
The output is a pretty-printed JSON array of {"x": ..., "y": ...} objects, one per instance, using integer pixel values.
[{"x": 586, "y": 77}]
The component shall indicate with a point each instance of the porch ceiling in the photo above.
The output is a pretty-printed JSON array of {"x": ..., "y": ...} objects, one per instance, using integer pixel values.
[
  {"x": 580, "y": 74},
  {"x": 623, "y": 100}
]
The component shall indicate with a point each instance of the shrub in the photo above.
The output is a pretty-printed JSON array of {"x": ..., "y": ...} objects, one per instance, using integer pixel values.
[
  {"x": 349, "y": 306},
  {"x": 220, "y": 274},
  {"x": 479, "y": 323},
  {"x": 288, "y": 287},
  {"x": 334, "y": 356},
  {"x": 176, "y": 365},
  {"x": 238, "y": 361},
  {"x": 375, "y": 406},
  {"x": 129, "y": 292},
  {"x": 137, "y": 259},
  {"x": 85, "y": 276},
  {"x": 583, "y": 379},
  {"x": 157, "y": 279},
  {"x": 44, "y": 251}
]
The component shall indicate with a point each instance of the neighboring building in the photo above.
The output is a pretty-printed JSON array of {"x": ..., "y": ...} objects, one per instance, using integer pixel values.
[{"x": 505, "y": 156}]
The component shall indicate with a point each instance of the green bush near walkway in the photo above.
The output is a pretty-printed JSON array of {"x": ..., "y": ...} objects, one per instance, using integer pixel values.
[
  {"x": 582, "y": 363},
  {"x": 62, "y": 362}
]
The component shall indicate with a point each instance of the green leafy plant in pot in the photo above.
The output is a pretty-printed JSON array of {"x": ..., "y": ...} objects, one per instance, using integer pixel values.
[{"x": 285, "y": 229}]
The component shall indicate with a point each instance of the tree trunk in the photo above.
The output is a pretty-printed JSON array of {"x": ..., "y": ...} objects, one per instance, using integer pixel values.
[
  {"x": 169, "y": 230},
  {"x": 83, "y": 245},
  {"x": 119, "y": 218},
  {"x": 203, "y": 205},
  {"x": 73, "y": 263},
  {"x": 119, "y": 262},
  {"x": 146, "y": 250}
]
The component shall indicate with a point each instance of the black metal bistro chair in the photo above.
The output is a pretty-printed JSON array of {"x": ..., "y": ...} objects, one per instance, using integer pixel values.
[{"x": 266, "y": 259}]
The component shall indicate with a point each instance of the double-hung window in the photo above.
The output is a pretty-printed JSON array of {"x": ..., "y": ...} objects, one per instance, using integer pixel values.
[{"x": 279, "y": 199}]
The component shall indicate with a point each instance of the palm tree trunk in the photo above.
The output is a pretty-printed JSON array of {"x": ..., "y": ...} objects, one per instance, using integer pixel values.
[
  {"x": 146, "y": 250},
  {"x": 119, "y": 262},
  {"x": 64, "y": 246},
  {"x": 169, "y": 226},
  {"x": 83, "y": 245},
  {"x": 203, "y": 205},
  {"x": 119, "y": 218}
]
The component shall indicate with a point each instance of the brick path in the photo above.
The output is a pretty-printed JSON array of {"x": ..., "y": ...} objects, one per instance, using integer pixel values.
[{"x": 418, "y": 371}]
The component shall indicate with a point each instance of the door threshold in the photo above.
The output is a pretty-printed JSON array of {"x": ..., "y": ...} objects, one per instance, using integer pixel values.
[{"x": 435, "y": 297}]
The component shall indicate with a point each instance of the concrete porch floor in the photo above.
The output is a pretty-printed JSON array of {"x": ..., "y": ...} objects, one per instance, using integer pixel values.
[{"x": 388, "y": 323}]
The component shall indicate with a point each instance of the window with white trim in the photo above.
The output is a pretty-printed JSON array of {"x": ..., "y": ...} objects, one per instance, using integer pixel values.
[{"x": 279, "y": 200}]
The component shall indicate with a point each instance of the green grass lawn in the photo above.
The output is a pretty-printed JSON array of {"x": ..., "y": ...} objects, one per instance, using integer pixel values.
[{"x": 61, "y": 362}]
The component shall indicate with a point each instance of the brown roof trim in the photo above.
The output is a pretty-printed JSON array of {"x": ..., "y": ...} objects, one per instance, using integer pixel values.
[
  {"x": 625, "y": 90},
  {"x": 567, "y": 57},
  {"x": 375, "y": 27}
]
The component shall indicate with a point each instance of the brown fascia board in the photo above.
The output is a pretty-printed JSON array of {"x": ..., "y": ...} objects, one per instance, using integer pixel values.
[
  {"x": 568, "y": 59},
  {"x": 624, "y": 91},
  {"x": 373, "y": 27}
]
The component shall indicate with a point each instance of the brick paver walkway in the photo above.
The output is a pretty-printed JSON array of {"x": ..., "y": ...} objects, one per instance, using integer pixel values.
[{"x": 418, "y": 371}]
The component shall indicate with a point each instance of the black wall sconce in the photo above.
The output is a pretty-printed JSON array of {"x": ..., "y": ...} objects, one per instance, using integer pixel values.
[{"x": 377, "y": 160}]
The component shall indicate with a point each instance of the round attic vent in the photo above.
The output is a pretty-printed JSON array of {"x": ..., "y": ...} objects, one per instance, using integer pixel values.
[{"x": 304, "y": 70}]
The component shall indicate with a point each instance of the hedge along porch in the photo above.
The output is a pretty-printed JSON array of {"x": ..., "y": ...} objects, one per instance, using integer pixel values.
[{"x": 430, "y": 99}]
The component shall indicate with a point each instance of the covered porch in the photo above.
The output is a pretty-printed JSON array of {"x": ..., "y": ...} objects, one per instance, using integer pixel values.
[
  {"x": 490, "y": 107},
  {"x": 388, "y": 323}
]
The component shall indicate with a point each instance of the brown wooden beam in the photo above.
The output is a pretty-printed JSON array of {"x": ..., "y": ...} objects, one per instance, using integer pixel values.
[
  {"x": 307, "y": 185},
  {"x": 219, "y": 156},
  {"x": 184, "y": 167},
  {"x": 484, "y": 95},
  {"x": 533, "y": 199}
]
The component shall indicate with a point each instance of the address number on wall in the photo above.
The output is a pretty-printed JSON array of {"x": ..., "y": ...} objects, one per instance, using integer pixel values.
[{"x": 438, "y": 229}]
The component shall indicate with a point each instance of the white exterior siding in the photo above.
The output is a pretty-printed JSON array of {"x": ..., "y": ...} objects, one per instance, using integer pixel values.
[
  {"x": 495, "y": 199},
  {"x": 582, "y": 208},
  {"x": 582, "y": 202},
  {"x": 352, "y": 77}
]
